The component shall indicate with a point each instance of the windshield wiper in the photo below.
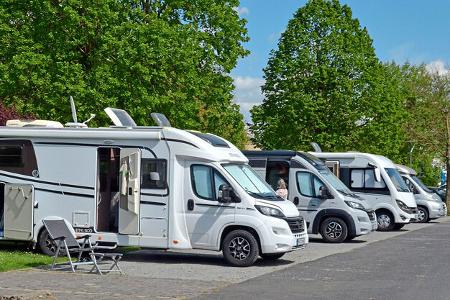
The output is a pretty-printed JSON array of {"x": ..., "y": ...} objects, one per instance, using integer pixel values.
[{"x": 262, "y": 196}]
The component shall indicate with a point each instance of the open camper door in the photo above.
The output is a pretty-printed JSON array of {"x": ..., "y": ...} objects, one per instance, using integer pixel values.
[
  {"x": 130, "y": 190},
  {"x": 18, "y": 212}
]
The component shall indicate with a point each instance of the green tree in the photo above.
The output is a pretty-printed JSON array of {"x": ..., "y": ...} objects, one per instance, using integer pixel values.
[
  {"x": 171, "y": 56},
  {"x": 426, "y": 97},
  {"x": 324, "y": 83}
]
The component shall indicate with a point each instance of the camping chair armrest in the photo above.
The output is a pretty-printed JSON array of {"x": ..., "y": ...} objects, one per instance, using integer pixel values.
[
  {"x": 81, "y": 249},
  {"x": 105, "y": 247}
]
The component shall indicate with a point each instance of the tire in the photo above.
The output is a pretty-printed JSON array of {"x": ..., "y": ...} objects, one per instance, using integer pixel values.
[
  {"x": 398, "y": 226},
  {"x": 334, "y": 230},
  {"x": 423, "y": 215},
  {"x": 240, "y": 248},
  {"x": 350, "y": 237},
  {"x": 272, "y": 256},
  {"x": 45, "y": 244},
  {"x": 385, "y": 220}
]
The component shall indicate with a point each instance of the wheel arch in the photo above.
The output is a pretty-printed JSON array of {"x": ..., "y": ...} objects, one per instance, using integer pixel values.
[
  {"x": 233, "y": 227},
  {"x": 338, "y": 213}
]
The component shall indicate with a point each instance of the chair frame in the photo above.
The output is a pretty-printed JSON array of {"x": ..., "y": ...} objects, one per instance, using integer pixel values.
[{"x": 85, "y": 247}]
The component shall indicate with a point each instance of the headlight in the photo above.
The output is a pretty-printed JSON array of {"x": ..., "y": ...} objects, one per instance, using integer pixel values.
[
  {"x": 269, "y": 211},
  {"x": 403, "y": 206},
  {"x": 355, "y": 205}
]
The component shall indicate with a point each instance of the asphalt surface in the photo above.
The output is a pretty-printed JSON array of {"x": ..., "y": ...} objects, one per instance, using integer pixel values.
[
  {"x": 415, "y": 265},
  {"x": 406, "y": 264}
]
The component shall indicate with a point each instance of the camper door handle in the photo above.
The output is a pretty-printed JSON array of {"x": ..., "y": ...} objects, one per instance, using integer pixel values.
[
  {"x": 130, "y": 191},
  {"x": 296, "y": 201},
  {"x": 190, "y": 204}
]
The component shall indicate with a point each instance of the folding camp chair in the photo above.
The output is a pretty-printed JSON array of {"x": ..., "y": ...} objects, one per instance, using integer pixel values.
[{"x": 66, "y": 241}]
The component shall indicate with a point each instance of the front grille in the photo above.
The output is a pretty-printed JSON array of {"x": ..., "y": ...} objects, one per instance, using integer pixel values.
[
  {"x": 371, "y": 215},
  {"x": 295, "y": 224}
]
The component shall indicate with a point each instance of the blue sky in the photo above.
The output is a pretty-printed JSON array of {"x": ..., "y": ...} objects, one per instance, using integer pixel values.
[{"x": 417, "y": 31}]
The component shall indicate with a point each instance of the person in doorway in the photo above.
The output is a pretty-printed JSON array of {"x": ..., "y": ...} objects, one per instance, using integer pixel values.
[{"x": 282, "y": 190}]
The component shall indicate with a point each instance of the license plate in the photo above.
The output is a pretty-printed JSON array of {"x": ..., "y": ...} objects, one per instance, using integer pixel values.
[{"x": 300, "y": 242}]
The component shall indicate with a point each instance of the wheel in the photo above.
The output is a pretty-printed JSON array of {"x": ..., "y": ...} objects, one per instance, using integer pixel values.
[
  {"x": 385, "y": 220},
  {"x": 334, "y": 230},
  {"x": 272, "y": 256},
  {"x": 240, "y": 248},
  {"x": 46, "y": 245},
  {"x": 398, "y": 226},
  {"x": 423, "y": 216}
]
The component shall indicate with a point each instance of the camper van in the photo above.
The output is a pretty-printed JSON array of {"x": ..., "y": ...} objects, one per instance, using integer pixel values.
[
  {"x": 327, "y": 205},
  {"x": 429, "y": 204},
  {"x": 376, "y": 179},
  {"x": 156, "y": 187}
]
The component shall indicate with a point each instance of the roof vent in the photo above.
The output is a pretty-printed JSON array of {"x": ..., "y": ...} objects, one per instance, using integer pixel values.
[
  {"x": 120, "y": 117},
  {"x": 33, "y": 123},
  {"x": 160, "y": 119}
]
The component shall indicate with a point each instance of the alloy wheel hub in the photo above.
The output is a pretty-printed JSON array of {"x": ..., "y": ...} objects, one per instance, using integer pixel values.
[
  {"x": 239, "y": 248},
  {"x": 334, "y": 230}
]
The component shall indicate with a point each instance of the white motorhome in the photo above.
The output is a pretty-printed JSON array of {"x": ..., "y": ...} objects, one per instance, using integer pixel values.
[
  {"x": 376, "y": 179},
  {"x": 429, "y": 204},
  {"x": 156, "y": 187},
  {"x": 327, "y": 205}
]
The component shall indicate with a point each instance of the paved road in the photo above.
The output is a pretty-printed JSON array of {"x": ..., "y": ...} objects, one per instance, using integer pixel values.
[
  {"x": 360, "y": 269},
  {"x": 410, "y": 266}
]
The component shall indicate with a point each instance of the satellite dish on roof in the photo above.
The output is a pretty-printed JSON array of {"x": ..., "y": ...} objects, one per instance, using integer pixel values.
[
  {"x": 75, "y": 123},
  {"x": 120, "y": 117}
]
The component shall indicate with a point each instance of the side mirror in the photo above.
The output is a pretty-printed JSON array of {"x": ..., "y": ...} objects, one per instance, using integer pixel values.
[
  {"x": 154, "y": 176},
  {"x": 377, "y": 174},
  {"x": 226, "y": 194},
  {"x": 324, "y": 193}
]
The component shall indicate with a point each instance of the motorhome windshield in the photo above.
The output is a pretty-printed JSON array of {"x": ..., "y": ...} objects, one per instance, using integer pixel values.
[
  {"x": 251, "y": 182},
  {"x": 397, "y": 180},
  {"x": 335, "y": 182},
  {"x": 420, "y": 183}
]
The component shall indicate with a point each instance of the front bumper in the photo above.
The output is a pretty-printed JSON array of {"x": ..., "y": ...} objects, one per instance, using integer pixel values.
[
  {"x": 438, "y": 211},
  {"x": 280, "y": 235},
  {"x": 366, "y": 222}
]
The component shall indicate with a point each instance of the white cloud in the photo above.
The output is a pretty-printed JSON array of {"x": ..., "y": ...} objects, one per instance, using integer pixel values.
[
  {"x": 437, "y": 67},
  {"x": 247, "y": 93},
  {"x": 242, "y": 11}
]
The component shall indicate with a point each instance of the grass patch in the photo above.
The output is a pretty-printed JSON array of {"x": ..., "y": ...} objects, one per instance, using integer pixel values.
[
  {"x": 14, "y": 256},
  {"x": 128, "y": 249}
]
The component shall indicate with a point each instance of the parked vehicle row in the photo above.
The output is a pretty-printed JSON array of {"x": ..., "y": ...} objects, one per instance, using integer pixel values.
[
  {"x": 166, "y": 188},
  {"x": 155, "y": 187}
]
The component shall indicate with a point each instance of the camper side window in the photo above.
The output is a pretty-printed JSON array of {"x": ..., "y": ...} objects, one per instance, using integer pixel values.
[
  {"x": 154, "y": 173},
  {"x": 17, "y": 156},
  {"x": 365, "y": 179},
  {"x": 206, "y": 182}
]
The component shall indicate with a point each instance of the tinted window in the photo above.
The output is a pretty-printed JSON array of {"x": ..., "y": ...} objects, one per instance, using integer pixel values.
[
  {"x": 155, "y": 168},
  {"x": 17, "y": 156},
  {"x": 11, "y": 156}
]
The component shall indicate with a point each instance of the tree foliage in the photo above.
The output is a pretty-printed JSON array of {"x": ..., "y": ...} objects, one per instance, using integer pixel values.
[
  {"x": 426, "y": 97},
  {"x": 324, "y": 83},
  {"x": 169, "y": 56}
]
